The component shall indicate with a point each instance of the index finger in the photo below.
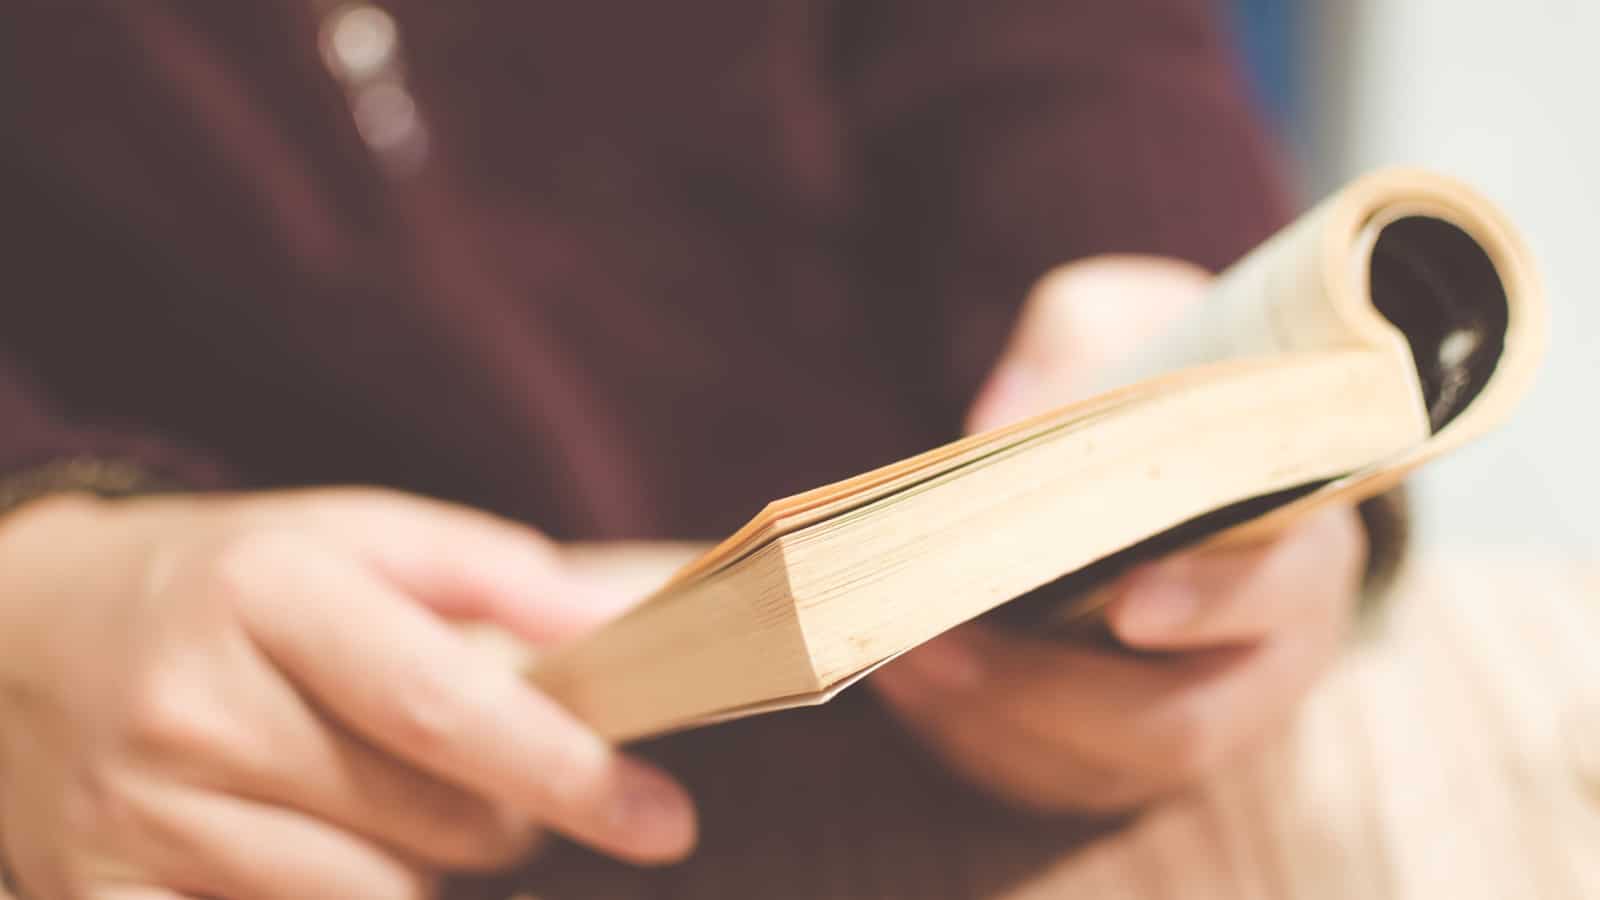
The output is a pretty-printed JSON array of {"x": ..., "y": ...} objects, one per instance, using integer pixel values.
[{"x": 400, "y": 677}]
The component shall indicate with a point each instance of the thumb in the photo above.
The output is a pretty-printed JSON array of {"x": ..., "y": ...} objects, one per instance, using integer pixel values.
[
  {"x": 469, "y": 565},
  {"x": 1079, "y": 320}
]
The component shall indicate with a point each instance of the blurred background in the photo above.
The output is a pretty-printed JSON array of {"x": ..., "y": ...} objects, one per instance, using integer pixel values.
[{"x": 1507, "y": 97}]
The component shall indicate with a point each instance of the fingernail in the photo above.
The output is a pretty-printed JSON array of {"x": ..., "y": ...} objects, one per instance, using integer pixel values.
[
  {"x": 1158, "y": 602},
  {"x": 654, "y": 812}
]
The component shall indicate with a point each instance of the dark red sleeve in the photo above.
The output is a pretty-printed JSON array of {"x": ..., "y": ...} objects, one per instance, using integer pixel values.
[
  {"x": 55, "y": 263},
  {"x": 999, "y": 138},
  {"x": 42, "y": 449}
]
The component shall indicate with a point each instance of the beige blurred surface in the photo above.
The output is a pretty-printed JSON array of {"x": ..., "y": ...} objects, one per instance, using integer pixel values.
[{"x": 1457, "y": 754}]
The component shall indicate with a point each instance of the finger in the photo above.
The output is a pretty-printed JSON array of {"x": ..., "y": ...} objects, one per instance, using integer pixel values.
[
  {"x": 1211, "y": 598},
  {"x": 271, "y": 746},
  {"x": 461, "y": 562},
  {"x": 225, "y": 718},
  {"x": 1078, "y": 320},
  {"x": 402, "y": 679},
  {"x": 211, "y": 845},
  {"x": 349, "y": 783}
]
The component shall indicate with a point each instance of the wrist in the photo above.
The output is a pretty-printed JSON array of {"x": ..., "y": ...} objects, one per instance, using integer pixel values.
[{"x": 49, "y": 534}]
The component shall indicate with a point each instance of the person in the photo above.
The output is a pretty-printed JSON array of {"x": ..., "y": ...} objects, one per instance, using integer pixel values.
[{"x": 327, "y": 327}]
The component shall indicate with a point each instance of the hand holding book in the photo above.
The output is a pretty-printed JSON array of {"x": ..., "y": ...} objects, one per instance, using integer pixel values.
[
  {"x": 268, "y": 695},
  {"x": 1238, "y": 633}
]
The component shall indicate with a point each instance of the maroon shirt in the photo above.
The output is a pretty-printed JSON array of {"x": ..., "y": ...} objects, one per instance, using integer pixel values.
[{"x": 635, "y": 268}]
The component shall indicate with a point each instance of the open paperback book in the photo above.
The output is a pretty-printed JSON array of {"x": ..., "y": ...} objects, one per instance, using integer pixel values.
[{"x": 1392, "y": 323}]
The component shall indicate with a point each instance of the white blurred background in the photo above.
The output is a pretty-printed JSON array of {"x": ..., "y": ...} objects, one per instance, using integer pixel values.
[{"x": 1505, "y": 95}]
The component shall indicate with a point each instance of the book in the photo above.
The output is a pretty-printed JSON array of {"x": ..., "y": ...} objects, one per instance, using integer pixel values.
[{"x": 1392, "y": 323}]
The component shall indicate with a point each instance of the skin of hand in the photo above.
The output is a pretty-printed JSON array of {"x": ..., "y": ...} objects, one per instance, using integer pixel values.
[
  {"x": 630, "y": 568},
  {"x": 1220, "y": 644},
  {"x": 267, "y": 696}
]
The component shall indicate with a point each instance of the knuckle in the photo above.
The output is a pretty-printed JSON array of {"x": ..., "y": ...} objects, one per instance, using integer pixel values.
[
  {"x": 578, "y": 781},
  {"x": 167, "y": 713},
  {"x": 428, "y": 716},
  {"x": 241, "y": 564}
]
